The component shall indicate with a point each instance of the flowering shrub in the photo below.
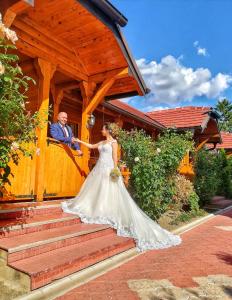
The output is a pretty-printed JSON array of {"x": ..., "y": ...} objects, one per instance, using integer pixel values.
[
  {"x": 16, "y": 126},
  {"x": 185, "y": 197},
  {"x": 152, "y": 165}
]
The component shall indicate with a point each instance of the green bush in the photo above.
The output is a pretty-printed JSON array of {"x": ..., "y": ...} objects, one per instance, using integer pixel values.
[
  {"x": 17, "y": 126},
  {"x": 224, "y": 170},
  {"x": 229, "y": 170},
  {"x": 206, "y": 179},
  {"x": 193, "y": 201},
  {"x": 213, "y": 175},
  {"x": 152, "y": 165}
]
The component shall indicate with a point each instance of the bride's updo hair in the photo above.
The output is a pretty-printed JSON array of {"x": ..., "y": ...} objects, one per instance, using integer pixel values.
[{"x": 108, "y": 127}]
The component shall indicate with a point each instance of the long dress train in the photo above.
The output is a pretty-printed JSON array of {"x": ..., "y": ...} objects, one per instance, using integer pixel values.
[{"x": 103, "y": 201}]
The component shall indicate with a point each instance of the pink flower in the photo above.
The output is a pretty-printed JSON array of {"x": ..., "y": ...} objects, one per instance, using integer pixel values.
[{"x": 14, "y": 146}]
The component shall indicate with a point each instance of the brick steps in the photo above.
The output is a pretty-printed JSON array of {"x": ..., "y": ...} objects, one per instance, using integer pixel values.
[
  {"x": 46, "y": 244},
  {"x": 27, "y": 211},
  {"x": 15, "y": 227},
  {"x": 45, "y": 268},
  {"x": 44, "y": 241},
  {"x": 27, "y": 204}
]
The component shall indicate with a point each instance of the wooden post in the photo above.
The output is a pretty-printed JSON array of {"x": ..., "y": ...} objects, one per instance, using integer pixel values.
[
  {"x": 90, "y": 101},
  {"x": 85, "y": 134},
  {"x": 45, "y": 73},
  {"x": 58, "y": 95}
]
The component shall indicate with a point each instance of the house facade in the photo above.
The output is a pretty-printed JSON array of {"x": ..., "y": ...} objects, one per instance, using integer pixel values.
[{"x": 76, "y": 53}]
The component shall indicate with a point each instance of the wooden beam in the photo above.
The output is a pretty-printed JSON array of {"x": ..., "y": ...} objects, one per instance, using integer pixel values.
[
  {"x": 33, "y": 43},
  {"x": 34, "y": 30},
  {"x": 65, "y": 68},
  {"x": 39, "y": 32},
  {"x": 15, "y": 9},
  {"x": 102, "y": 91},
  {"x": 100, "y": 77},
  {"x": 87, "y": 89},
  {"x": 45, "y": 73},
  {"x": 202, "y": 144},
  {"x": 85, "y": 135},
  {"x": 80, "y": 61},
  {"x": 71, "y": 85},
  {"x": 58, "y": 95}
]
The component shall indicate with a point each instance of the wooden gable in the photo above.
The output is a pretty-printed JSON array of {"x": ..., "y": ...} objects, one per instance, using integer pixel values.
[{"x": 78, "y": 42}]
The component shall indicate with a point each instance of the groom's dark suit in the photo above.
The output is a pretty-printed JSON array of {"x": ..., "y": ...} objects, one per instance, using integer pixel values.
[{"x": 63, "y": 134}]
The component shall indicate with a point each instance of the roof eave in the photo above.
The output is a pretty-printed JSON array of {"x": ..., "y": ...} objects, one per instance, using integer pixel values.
[
  {"x": 131, "y": 62},
  {"x": 122, "y": 111},
  {"x": 111, "y": 11},
  {"x": 110, "y": 16}
]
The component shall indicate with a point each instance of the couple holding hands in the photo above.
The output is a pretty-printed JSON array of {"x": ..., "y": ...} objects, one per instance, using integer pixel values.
[{"x": 102, "y": 200}]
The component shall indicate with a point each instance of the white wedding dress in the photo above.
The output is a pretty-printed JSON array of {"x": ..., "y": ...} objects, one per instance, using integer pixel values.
[{"x": 103, "y": 201}]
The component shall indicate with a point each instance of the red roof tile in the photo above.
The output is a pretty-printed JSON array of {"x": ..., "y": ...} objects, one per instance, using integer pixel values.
[
  {"x": 133, "y": 111},
  {"x": 183, "y": 117},
  {"x": 226, "y": 141}
]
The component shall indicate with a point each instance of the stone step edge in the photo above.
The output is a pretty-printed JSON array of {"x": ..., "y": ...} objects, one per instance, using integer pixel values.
[
  {"x": 63, "y": 285},
  {"x": 31, "y": 208},
  {"x": 68, "y": 283},
  {"x": 33, "y": 224},
  {"x": 54, "y": 239}
]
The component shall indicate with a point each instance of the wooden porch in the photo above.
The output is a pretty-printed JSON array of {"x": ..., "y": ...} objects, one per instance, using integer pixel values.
[{"x": 78, "y": 57}]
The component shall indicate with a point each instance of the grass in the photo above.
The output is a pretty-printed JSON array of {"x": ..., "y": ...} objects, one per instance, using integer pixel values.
[
  {"x": 188, "y": 216},
  {"x": 173, "y": 219}
]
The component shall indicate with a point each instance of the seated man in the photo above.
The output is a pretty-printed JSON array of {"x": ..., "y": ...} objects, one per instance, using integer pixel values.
[{"x": 62, "y": 132}]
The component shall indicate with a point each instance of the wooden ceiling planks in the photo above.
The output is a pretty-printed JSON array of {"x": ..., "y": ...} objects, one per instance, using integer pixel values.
[
  {"x": 122, "y": 86},
  {"x": 73, "y": 39},
  {"x": 68, "y": 21},
  {"x": 38, "y": 48}
]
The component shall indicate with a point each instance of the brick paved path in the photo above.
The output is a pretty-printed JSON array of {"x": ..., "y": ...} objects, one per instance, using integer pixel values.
[{"x": 168, "y": 274}]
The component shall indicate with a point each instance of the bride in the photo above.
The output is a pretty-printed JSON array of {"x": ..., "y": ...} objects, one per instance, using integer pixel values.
[{"x": 102, "y": 200}]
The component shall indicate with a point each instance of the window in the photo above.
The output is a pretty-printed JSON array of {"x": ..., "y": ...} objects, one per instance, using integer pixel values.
[{"x": 75, "y": 129}]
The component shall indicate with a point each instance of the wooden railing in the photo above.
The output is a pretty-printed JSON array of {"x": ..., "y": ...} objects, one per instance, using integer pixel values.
[
  {"x": 22, "y": 178},
  {"x": 63, "y": 174}
]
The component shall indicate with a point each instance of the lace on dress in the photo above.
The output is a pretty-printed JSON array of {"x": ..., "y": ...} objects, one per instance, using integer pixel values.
[{"x": 103, "y": 201}]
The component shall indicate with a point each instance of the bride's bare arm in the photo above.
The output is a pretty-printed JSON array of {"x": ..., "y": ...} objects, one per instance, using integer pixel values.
[
  {"x": 115, "y": 153},
  {"x": 90, "y": 146}
]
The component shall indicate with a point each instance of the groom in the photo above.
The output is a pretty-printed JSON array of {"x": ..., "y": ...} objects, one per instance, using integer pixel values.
[{"x": 63, "y": 133}]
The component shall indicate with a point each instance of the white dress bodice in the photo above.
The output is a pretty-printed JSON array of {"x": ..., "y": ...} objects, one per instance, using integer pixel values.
[{"x": 106, "y": 154}]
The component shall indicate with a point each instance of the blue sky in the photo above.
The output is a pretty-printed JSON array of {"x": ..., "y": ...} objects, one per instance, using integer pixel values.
[{"x": 183, "y": 48}]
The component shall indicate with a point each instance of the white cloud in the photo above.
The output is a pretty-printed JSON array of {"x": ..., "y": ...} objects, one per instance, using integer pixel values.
[
  {"x": 200, "y": 50},
  {"x": 171, "y": 82}
]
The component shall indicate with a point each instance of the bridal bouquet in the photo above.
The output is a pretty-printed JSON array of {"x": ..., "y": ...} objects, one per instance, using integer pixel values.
[{"x": 114, "y": 174}]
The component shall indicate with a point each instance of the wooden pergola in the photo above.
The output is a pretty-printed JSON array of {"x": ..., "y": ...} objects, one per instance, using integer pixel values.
[{"x": 76, "y": 53}]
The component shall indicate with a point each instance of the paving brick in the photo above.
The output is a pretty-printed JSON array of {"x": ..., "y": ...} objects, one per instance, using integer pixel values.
[{"x": 205, "y": 250}]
